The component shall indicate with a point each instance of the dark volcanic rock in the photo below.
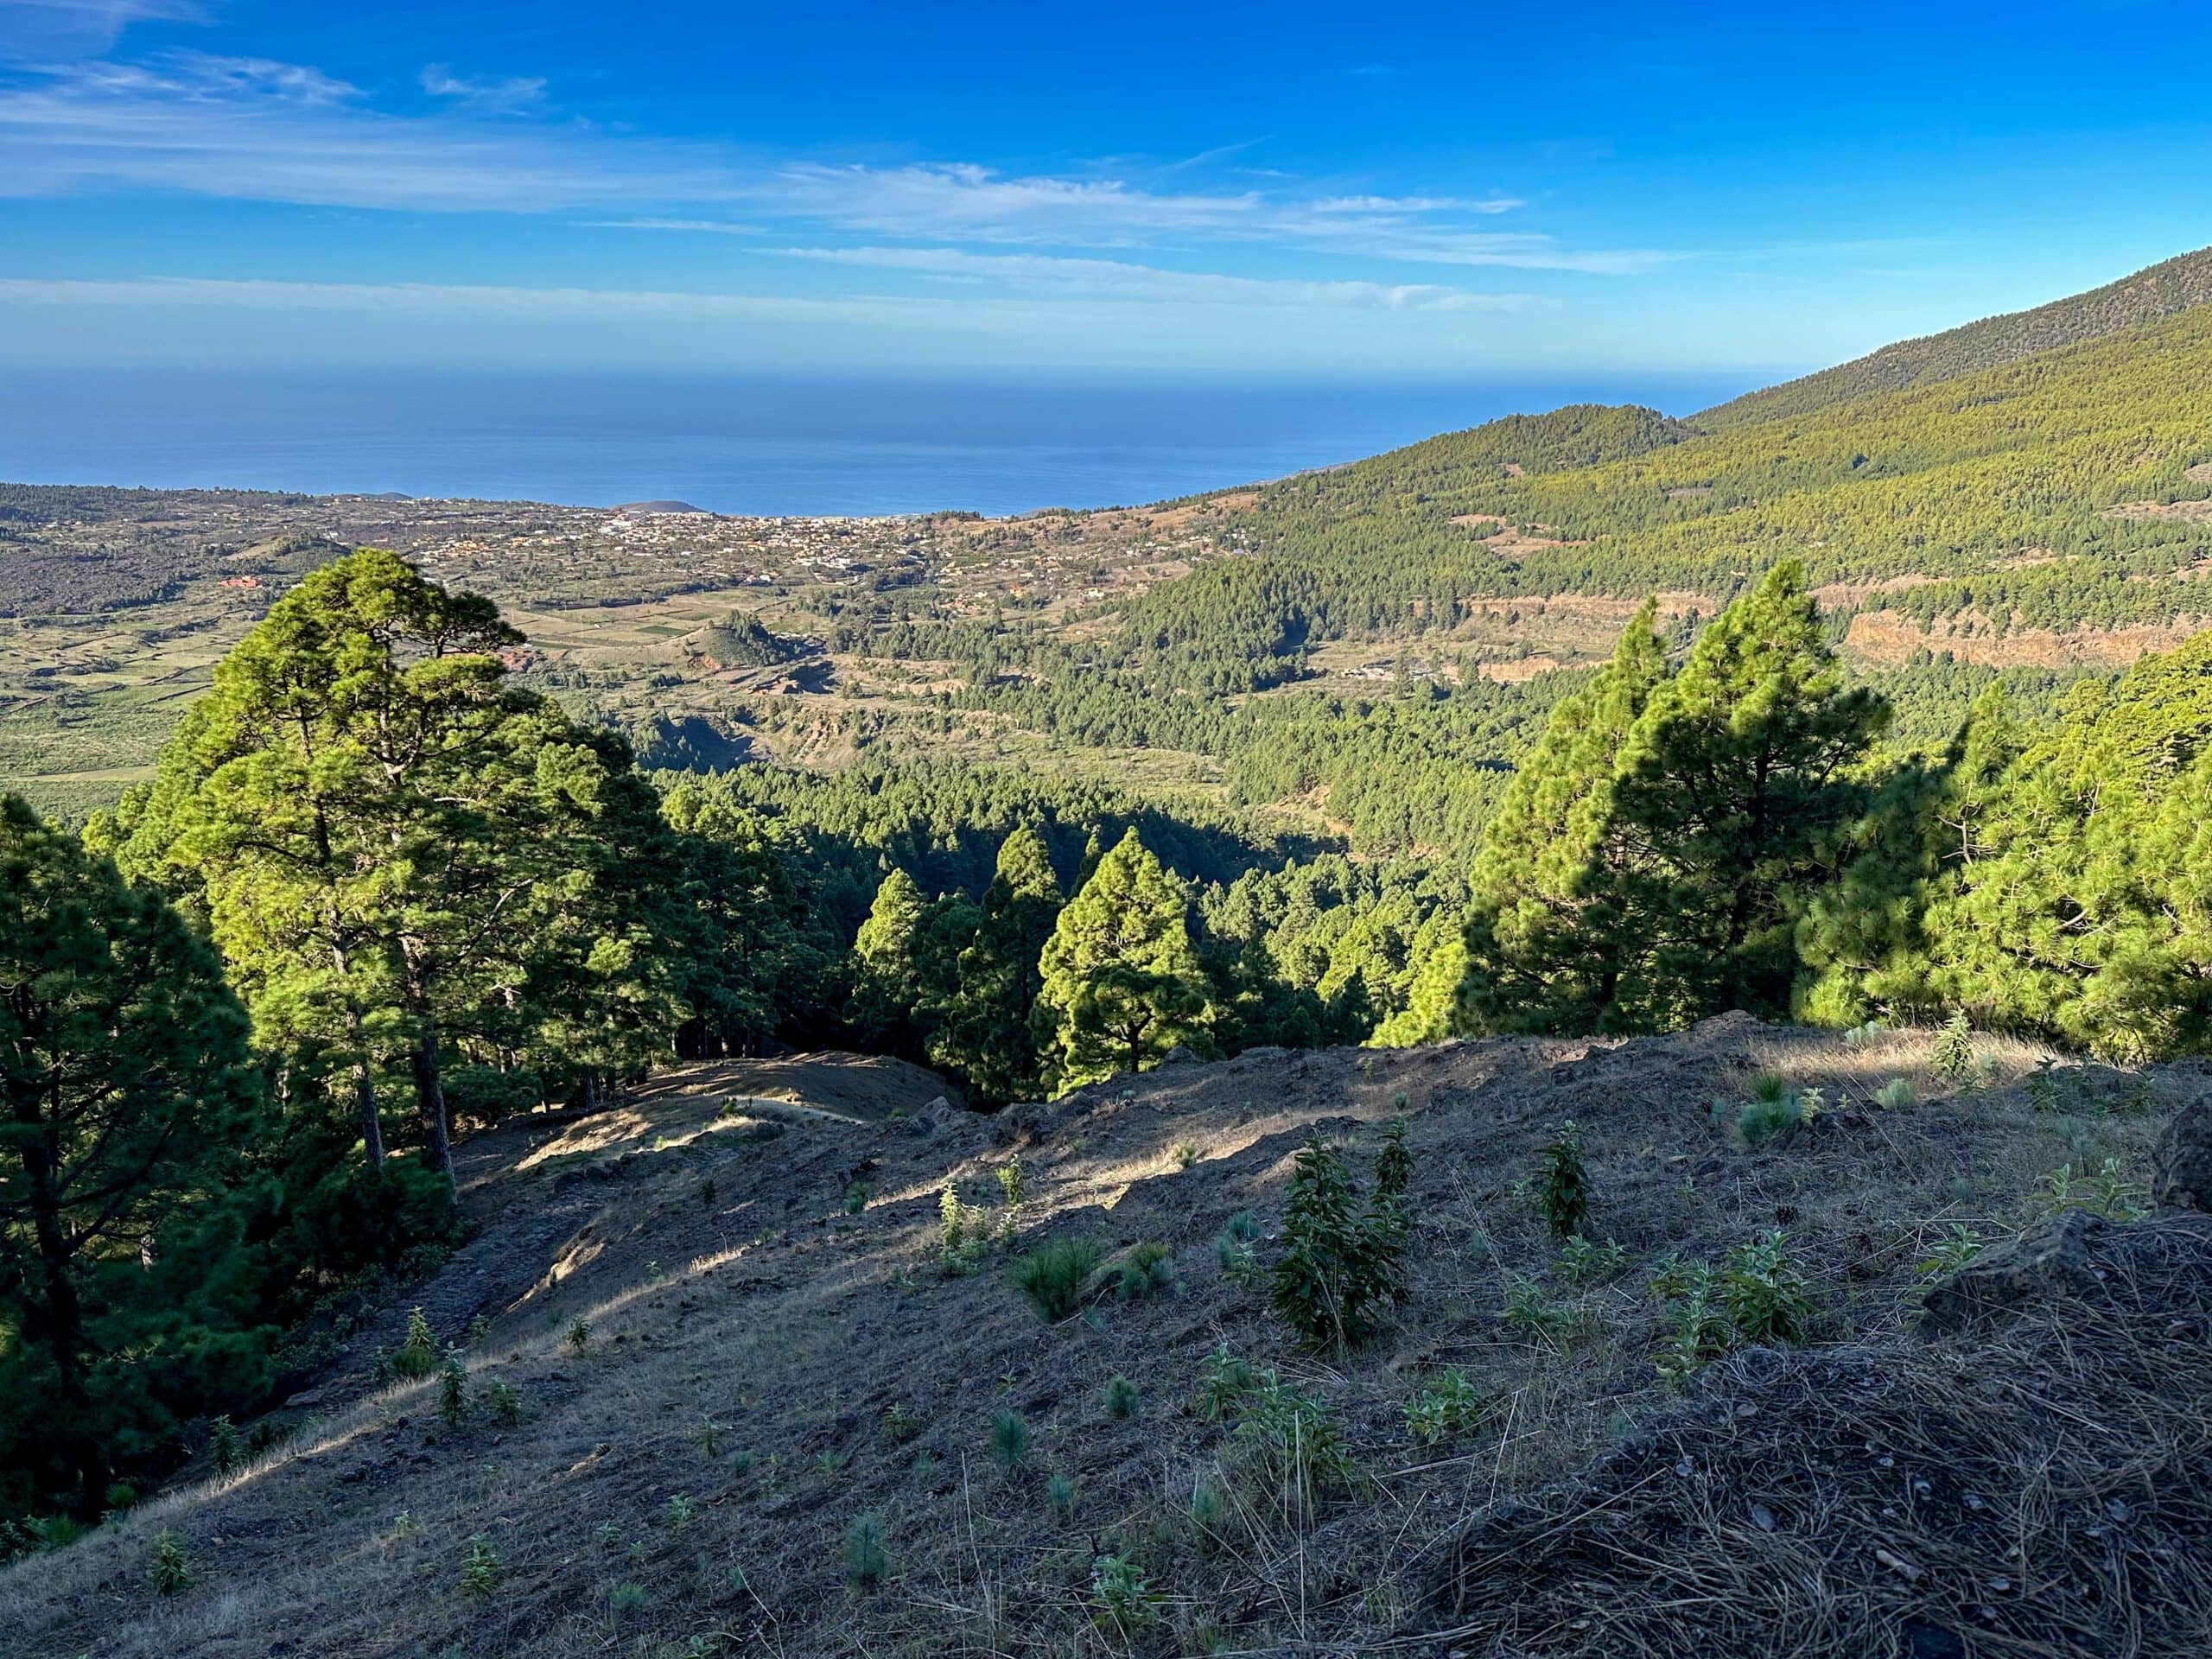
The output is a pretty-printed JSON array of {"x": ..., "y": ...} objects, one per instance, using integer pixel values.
[
  {"x": 2052, "y": 1262},
  {"x": 2182, "y": 1178}
]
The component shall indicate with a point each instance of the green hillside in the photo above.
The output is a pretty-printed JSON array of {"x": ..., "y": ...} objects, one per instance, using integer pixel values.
[
  {"x": 2176, "y": 284},
  {"x": 2053, "y": 492}
]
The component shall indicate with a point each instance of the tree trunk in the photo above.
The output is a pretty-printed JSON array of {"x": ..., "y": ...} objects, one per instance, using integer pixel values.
[
  {"x": 365, "y": 1102},
  {"x": 60, "y": 1325},
  {"x": 431, "y": 1101}
]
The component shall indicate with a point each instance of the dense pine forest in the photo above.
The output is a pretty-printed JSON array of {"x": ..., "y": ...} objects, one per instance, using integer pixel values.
[{"x": 393, "y": 880}]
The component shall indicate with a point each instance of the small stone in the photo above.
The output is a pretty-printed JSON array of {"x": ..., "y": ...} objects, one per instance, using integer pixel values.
[{"x": 1762, "y": 1518}]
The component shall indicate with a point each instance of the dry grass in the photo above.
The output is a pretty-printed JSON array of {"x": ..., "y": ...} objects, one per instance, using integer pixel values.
[{"x": 766, "y": 1311}]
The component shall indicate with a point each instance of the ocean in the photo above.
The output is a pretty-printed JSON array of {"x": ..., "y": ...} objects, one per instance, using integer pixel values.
[{"x": 752, "y": 444}]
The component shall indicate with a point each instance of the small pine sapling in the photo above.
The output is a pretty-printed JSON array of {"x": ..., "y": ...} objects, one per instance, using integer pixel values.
[
  {"x": 1562, "y": 1189},
  {"x": 867, "y": 1559}
]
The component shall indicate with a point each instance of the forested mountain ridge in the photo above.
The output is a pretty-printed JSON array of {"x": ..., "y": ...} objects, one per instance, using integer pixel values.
[{"x": 2177, "y": 284}]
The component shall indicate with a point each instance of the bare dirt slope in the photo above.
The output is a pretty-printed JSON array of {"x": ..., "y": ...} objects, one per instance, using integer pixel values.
[{"x": 774, "y": 1352}]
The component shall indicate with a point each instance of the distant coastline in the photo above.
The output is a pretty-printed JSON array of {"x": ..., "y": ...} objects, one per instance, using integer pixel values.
[{"x": 751, "y": 445}]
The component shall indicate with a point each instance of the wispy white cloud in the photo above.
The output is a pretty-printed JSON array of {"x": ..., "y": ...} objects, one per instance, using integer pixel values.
[
  {"x": 33, "y": 31},
  {"x": 247, "y": 128},
  {"x": 513, "y": 95},
  {"x": 1120, "y": 279}
]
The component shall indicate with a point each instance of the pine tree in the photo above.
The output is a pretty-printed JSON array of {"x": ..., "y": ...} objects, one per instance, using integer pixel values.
[
  {"x": 129, "y": 1096},
  {"x": 989, "y": 1034},
  {"x": 1732, "y": 780},
  {"x": 1121, "y": 981},
  {"x": 886, "y": 1005},
  {"x": 391, "y": 840},
  {"x": 1544, "y": 949}
]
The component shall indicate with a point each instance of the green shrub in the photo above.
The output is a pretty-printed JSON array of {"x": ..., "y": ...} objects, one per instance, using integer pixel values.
[
  {"x": 1587, "y": 1263},
  {"x": 453, "y": 1388},
  {"x": 480, "y": 1569},
  {"x": 579, "y": 1336},
  {"x": 1895, "y": 1095},
  {"x": 1185, "y": 1155},
  {"x": 1060, "y": 1498},
  {"x": 1697, "y": 1328},
  {"x": 171, "y": 1573},
  {"x": 1340, "y": 1264},
  {"x": 2042, "y": 1086},
  {"x": 1224, "y": 1384},
  {"x": 502, "y": 1404},
  {"x": 868, "y": 1560},
  {"x": 625, "y": 1600},
  {"x": 1149, "y": 1270},
  {"x": 1535, "y": 1316},
  {"x": 1394, "y": 1163},
  {"x": 1758, "y": 1122},
  {"x": 1766, "y": 1297},
  {"x": 1562, "y": 1189},
  {"x": 1055, "y": 1275},
  {"x": 1009, "y": 1440},
  {"x": 676, "y": 1512},
  {"x": 1009, "y": 1180},
  {"x": 420, "y": 1355},
  {"x": 1292, "y": 1444},
  {"x": 479, "y": 1097},
  {"x": 1445, "y": 1409},
  {"x": 1122, "y": 1601},
  {"x": 1209, "y": 1513},
  {"x": 1121, "y": 1397},
  {"x": 1952, "y": 1056},
  {"x": 2108, "y": 1192},
  {"x": 1950, "y": 1253},
  {"x": 856, "y": 1196},
  {"x": 225, "y": 1450},
  {"x": 898, "y": 1425},
  {"x": 1233, "y": 1249}
]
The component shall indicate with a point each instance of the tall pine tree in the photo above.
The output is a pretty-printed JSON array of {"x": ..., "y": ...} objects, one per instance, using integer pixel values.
[{"x": 1122, "y": 983}]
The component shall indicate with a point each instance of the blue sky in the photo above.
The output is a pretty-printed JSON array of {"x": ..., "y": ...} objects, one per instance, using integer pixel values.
[{"x": 1312, "y": 188}]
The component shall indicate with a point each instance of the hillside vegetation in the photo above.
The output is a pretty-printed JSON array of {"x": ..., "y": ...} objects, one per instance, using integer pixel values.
[
  {"x": 2177, "y": 284},
  {"x": 665, "y": 1444}
]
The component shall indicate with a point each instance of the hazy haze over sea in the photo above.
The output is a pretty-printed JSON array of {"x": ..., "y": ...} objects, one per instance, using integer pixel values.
[{"x": 752, "y": 445}]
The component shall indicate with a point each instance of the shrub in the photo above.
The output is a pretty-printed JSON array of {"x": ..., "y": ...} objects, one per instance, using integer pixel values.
[
  {"x": 1290, "y": 1441},
  {"x": 419, "y": 1355},
  {"x": 676, "y": 1512},
  {"x": 1009, "y": 1180},
  {"x": 1224, "y": 1384},
  {"x": 1765, "y": 1295},
  {"x": 479, "y": 1097},
  {"x": 1122, "y": 1601},
  {"x": 1009, "y": 1440},
  {"x": 1950, "y": 1253},
  {"x": 1208, "y": 1512},
  {"x": 1697, "y": 1328},
  {"x": 480, "y": 1569},
  {"x": 1895, "y": 1095},
  {"x": 502, "y": 1404},
  {"x": 1758, "y": 1122},
  {"x": 1233, "y": 1250},
  {"x": 1185, "y": 1155},
  {"x": 1585, "y": 1263},
  {"x": 868, "y": 1560},
  {"x": 1393, "y": 1164},
  {"x": 1338, "y": 1262},
  {"x": 1055, "y": 1275},
  {"x": 1150, "y": 1269},
  {"x": 225, "y": 1450},
  {"x": 453, "y": 1388},
  {"x": 2108, "y": 1193},
  {"x": 1121, "y": 1397},
  {"x": 171, "y": 1573},
  {"x": 625, "y": 1600},
  {"x": 579, "y": 1337},
  {"x": 1060, "y": 1498},
  {"x": 1535, "y": 1316},
  {"x": 898, "y": 1425},
  {"x": 1445, "y": 1409},
  {"x": 856, "y": 1196},
  {"x": 1563, "y": 1190},
  {"x": 1952, "y": 1056},
  {"x": 2042, "y": 1086}
]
